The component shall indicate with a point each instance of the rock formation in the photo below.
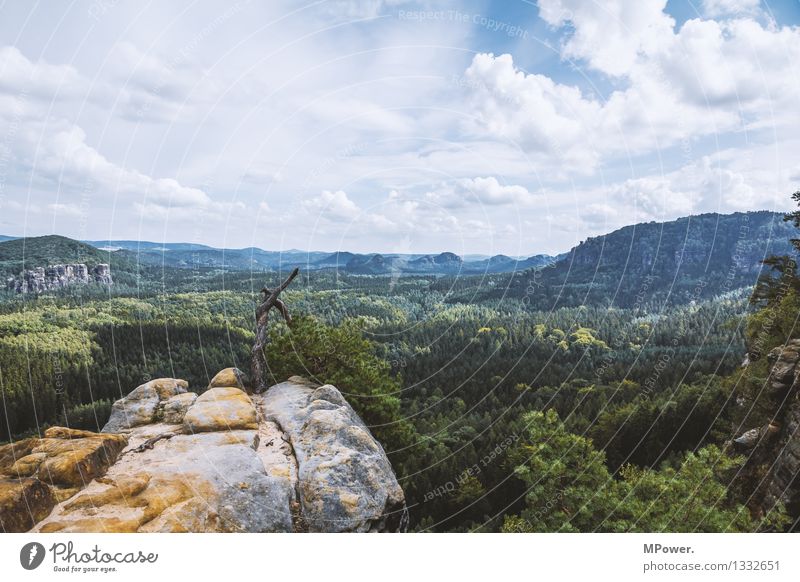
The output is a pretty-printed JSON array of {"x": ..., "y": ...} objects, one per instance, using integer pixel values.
[
  {"x": 338, "y": 461},
  {"x": 295, "y": 458},
  {"x": 774, "y": 449},
  {"x": 43, "y": 279},
  {"x": 36, "y": 473}
]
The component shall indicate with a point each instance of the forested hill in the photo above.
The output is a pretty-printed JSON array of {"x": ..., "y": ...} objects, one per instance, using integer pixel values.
[
  {"x": 41, "y": 251},
  {"x": 19, "y": 254},
  {"x": 678, "y": 261},
  {"x": 642, "y": 265}
]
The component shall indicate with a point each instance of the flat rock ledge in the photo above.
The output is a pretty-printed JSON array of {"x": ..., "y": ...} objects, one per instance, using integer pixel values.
[{"x": 294, "y": 459}]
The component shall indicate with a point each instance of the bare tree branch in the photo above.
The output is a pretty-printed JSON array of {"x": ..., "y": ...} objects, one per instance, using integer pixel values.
[{"x": 258, "y": 362}]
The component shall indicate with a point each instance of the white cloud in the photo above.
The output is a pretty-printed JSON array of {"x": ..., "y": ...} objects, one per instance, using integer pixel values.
[
  {"x": 708, "y": 185},
  {"x": 19, "y": 75},
  {"x": 59, "y": 209},
  {"x": 147, "y": 87},
  {"x": 134, "y": 85},
  {"x": 471, "y": 191},
  {"x": 610, "y": 35},
  {"x": 716, "y": 8},
  {"x": 708, "y": 78},
  {"x": 298, "y": 126},
  {"x": 67, "y": 160},
  {"x": 334, "y": 206},
  {"x": 532, "y": 110},
  {"x": 732, "y": 62}
]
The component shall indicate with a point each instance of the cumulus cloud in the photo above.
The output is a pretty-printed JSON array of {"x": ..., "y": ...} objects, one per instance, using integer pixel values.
[
  {"x": 469, "y": 191},
  {"x": 140, "y": 86},
  {"x": 709, "y": 77},
  {"x": 332, "y": 206},
  {"x": 53, "y": 156},
  {"x": 67, "y": 160},
  {"x": 729, "y": 62},
  {"x": 610, "y": 36},
  {"x": 21, "y": 76},
  {"x": 418, "y": 222},
  {"x": 716, "y": 8},
  {"x": 707, "y": 185},
  {"x": 530, "y": 109},
  {"x": 736, "y": 64}
]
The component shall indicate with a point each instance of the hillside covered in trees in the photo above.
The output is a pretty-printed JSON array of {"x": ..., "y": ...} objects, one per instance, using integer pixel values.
[{"x": 597, "y": 394}]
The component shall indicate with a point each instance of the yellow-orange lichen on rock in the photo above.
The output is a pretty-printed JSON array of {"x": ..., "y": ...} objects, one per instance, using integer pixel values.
[
  {"x": 296, "y": 458},
  {"x": 188, "y": 482},
  {"x": 228, "y": 377},
  {"x": 167, "y": 387},
  {"x": 38, "y": 473},
  {"x": 75, "y": 462},
  {"x": 224, "y": 408},
  {"x": 120, "y": 491},
  {"x": 23, "y": 502}
]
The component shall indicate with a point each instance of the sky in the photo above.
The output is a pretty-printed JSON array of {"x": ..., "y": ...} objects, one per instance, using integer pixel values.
[{"x": 391, "y": 126}]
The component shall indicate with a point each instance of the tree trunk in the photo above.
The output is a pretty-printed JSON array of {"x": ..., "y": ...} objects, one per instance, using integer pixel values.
[
  {"x": 258, "y": 357},
  {"x": 258, "y": 365}
]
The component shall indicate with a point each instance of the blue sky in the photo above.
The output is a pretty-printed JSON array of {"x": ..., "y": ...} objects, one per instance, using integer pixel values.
[{"x": 389, "y": 125}]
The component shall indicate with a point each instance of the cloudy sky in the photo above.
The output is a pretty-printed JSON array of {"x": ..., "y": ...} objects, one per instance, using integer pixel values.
[{"x": 510, "y": 127}]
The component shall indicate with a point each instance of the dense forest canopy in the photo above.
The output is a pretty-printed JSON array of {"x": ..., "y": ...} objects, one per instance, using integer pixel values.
[{"x": 562, "y": 398}]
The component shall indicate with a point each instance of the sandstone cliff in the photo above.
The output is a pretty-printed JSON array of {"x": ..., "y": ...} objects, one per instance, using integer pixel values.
[
  {"x": 43, "y": 279},
  {"x": 296, "y": 458},
  {"x": 773, "y": 450}
]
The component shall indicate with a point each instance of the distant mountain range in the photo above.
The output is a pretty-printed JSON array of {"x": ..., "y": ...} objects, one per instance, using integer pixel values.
[
  {"x": 192, "y": 255},
  {"x": 681, "y": 252}
]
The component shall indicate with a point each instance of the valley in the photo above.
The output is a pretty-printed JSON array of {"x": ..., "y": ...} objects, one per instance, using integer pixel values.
[{"x": 495, "y": 385}]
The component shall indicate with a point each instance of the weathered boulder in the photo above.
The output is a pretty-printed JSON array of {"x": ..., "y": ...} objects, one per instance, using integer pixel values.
[
  {"x": 176, "y": 406},
  {"x": 228, "y": 377},
  {"x": 757, "y": 436},
  {"x": 143, "y": 404},
  {"x": 36, "y": 473},
  {"x": 225, "y": 408},
  {"x": 748, "y": 439},
  {"x": 783, "y": 374},
  {"x": 62, "y": 458},
  {"x": 345, "y": 480}
]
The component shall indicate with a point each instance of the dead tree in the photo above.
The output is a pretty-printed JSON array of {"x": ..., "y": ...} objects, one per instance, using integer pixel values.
[{"x": 258, "y": 361}]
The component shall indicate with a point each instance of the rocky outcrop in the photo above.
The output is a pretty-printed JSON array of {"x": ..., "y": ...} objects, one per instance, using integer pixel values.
[
  {"x": 36, "y": 473},
  {"x": 55, "y": 277},
  {"x": 146, "y": 404},
  {"x": 223, "y": 408},
  {"x": 296, "y": 458},
  {"x": 773, "y": 450},
  {"x": 784, "y": 485},
  {"x": 344, "y": 481}
]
